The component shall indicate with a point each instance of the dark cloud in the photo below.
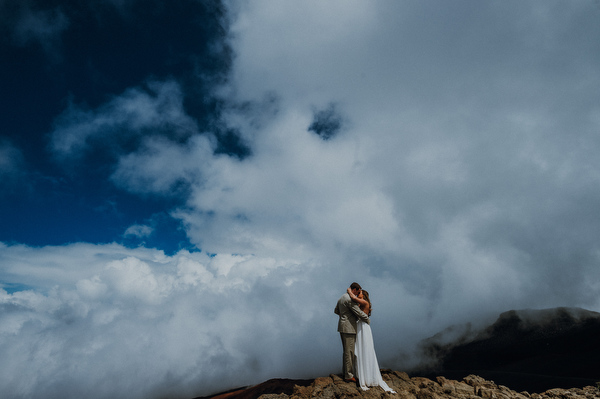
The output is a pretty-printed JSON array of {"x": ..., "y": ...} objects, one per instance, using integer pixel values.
[{"x": 327, "y": 122}]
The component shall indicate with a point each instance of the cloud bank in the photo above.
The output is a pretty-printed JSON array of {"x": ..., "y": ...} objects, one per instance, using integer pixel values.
[
  {"x": 119, "y": 322},
  {"x": 444, "y": 155}
]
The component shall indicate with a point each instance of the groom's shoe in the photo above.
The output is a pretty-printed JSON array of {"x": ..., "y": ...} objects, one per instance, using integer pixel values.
[{"x": 350, "y": 379}]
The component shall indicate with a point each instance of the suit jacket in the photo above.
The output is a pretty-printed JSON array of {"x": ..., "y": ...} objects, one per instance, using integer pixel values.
[{"x": 349, "y": 313}]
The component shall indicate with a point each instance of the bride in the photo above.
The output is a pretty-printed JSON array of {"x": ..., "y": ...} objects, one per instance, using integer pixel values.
[{"x": 367, "y": 367}]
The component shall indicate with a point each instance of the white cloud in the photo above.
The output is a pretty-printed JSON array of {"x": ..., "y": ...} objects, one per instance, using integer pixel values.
[
  {"x": 160, "y": 165},
  {"x": 138, "y": 230},
  {"x": 157, "y": 108},
  {"x": 185, "y": 323}
]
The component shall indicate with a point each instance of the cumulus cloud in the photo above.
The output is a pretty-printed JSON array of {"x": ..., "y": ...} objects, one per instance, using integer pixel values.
[
  {"x": 464, "y": 156},
  {"x": 156, "y": 109},
  {"x": 110, "y": 321},
  {"x": 461, "y": 182},
  {"x": 457, "y": 163}
]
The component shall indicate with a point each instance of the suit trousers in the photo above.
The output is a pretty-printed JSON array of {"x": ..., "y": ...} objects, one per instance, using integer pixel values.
[{"x": 348, "y": 342}]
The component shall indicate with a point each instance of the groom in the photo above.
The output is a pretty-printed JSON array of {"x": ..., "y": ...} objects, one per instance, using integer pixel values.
[{"x": 349, "y": 313}]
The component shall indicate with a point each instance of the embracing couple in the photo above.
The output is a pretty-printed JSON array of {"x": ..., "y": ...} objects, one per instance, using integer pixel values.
[{"x": 354, "y": 309}]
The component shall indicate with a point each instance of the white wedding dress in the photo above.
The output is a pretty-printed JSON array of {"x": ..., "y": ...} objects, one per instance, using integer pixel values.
[{"x": 367, "y": 367}]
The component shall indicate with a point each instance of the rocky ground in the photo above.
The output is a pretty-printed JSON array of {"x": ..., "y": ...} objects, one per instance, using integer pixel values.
[{"x": 334, "y": 387}]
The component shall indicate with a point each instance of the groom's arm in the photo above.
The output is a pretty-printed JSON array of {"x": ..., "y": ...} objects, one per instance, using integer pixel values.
[{"x": 359, "y": 313}]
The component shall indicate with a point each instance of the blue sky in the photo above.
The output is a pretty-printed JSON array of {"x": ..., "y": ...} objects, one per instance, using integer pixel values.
[
  {"x": 58, "y": 55},
  {"x": 186, "y": 188}
]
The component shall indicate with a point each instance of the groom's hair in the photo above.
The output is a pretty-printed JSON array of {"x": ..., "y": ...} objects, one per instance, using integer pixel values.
[{"x": 355, "y": 286}]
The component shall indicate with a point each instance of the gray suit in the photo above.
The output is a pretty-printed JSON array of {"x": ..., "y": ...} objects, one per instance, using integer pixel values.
[{"x": 349, "y": 313}]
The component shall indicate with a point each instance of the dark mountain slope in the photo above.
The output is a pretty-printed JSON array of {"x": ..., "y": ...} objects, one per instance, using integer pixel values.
[{"x": 531, "y": 350}]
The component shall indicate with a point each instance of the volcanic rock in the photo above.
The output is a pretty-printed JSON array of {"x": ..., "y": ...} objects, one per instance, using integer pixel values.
[{"x": 334, "y": 387}]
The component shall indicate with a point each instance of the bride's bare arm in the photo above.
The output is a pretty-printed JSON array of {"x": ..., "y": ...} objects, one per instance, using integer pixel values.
[{"x": 356, "y": 299}]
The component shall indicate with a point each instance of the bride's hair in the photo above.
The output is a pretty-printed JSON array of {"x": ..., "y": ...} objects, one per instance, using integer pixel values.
[{"x": 366, "y": 298}]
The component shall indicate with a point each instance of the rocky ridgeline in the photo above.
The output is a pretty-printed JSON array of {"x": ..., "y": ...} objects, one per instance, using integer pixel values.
[{"x": 471, "y": 387}]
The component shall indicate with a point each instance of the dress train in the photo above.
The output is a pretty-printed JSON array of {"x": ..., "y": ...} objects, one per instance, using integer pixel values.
[{"x": 367, "y": 367}]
